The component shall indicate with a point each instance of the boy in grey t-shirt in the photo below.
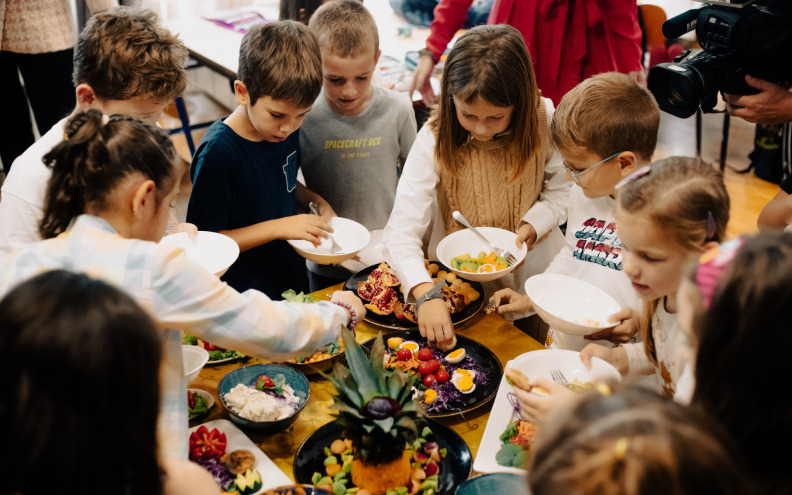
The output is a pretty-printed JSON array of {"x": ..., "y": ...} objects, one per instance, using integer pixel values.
[{"x": 357, "y": 135}]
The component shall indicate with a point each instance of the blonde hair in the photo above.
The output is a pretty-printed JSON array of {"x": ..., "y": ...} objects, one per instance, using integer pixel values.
[
  {"x": 633, "y": 442},
  {"x": 345, "y": 28},
  {"x": 606, "y": 114},
  {"x": 686, "y": 199},
  {"x": 124, "y": 52},
  {"x": 491, "y": 63},
  {"x": 281, "y": 60}
]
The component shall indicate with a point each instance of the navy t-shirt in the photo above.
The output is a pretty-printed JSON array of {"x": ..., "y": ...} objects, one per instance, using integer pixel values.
[{"x": 238, "y": 183}]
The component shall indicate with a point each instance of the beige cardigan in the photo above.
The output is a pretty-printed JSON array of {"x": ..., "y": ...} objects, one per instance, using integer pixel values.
[{"x": 41, "y": 26}]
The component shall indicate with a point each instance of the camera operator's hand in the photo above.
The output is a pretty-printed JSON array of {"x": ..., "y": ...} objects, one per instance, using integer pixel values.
[{"x": 772, "y": 105}]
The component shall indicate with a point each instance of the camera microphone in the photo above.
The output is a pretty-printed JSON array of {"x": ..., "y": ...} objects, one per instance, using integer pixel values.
[{"x": 678, "y": 25}]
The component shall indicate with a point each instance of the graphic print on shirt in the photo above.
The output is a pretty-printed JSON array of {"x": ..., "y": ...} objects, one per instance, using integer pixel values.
[
  {"x": 353, "y": 148},
  {"x": 597, "y": 243},
  {"x": 290, "y": 171}
]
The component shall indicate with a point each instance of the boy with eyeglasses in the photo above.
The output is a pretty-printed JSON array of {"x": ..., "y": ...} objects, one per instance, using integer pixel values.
[{"x": 604, "y": 129}]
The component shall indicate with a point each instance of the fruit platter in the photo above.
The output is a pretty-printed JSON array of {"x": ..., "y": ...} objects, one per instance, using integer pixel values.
[{"x": 381, "y": 290}]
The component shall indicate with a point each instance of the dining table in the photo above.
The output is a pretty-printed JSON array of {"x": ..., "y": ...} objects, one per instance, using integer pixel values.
[{"x": 491, "y": 330}]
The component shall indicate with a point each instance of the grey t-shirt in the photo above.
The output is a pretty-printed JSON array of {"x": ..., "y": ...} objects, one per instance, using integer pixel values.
[{"x": 352, "y": 161}]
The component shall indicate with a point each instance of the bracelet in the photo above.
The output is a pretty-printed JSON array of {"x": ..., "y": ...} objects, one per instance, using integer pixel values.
[{"x": 353, "y": 318}]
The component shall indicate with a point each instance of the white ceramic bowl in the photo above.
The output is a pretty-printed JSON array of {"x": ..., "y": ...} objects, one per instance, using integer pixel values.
[
  {"x": 465, "y": 241},
  {"x": 215, "y": 252},
  {"x": 350, "y": 235},
  {"x": 193, "y": 359},
  {"x": 537, "y": 364},
  {"x": 570, "y": 305}
]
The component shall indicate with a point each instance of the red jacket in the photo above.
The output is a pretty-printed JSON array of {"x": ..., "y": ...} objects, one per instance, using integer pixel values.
[{"x": 569, "y": 40}]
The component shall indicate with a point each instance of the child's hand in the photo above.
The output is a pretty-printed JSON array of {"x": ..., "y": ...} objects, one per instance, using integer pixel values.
[
  {"x": 327, "y": 211},
  {"x": 189, "y": 228},
  {"x": 526, "y": 233},
  {"x": 349, "y": 297},
  {"x": 304, "y": 227},
  {"x": 509, "y": 301},
  {"x": 616, "y": 356},
  {"x": 621, "y": 333},
  {"x": 535, "y": 406},
  {"x": 434, "y": 320}
]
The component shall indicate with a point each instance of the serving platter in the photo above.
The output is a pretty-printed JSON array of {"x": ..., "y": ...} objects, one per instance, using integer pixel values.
[{"x": 391, "y": 322}]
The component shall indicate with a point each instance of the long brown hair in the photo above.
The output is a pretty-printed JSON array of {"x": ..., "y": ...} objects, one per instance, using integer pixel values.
[
  {"x": 491, "y": 63},
  {"x": 94, "y": 157},
  {"x": 686, "y": 199}
]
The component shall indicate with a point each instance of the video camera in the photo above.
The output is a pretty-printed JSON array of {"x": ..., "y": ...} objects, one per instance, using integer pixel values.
[{"x": 737, "y": 38}]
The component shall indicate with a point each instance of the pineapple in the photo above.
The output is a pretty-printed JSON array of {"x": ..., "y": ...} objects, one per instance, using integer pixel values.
[{"x": 378, "y": 414}]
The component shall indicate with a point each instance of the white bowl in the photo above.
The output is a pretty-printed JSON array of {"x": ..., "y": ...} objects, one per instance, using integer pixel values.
[
  {"x": 465, "y": 241},
  {"x": 570, "y": 305},
  {"x": 350, "y": 235},
  {"x": 537, "y": 364},
  {"x": 215, "y": 252},
  {"x": 193, "y": 359}
]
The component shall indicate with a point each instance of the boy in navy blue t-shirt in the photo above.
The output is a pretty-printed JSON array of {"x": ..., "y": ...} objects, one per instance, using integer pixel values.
[{"x": 244, "y": 172}]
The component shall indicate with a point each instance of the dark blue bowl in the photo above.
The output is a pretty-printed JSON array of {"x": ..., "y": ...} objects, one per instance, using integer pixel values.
[
  {"x": 489, "y": 484},
  {"x": 248, "y": 376}
]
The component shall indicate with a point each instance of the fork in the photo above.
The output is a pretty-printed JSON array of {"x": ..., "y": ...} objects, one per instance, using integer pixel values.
[
  {"x": 510, "y": 258},
  {"x": 334, "y": 248},
  {"x": 558, "y": 376}
]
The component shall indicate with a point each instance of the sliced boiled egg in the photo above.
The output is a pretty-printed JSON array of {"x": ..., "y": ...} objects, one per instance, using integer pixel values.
[
  {"x": 455, "y": 356},
  {"x": 411, "y": 345},
  {"x": 394, "y": 342},
  {"x": 463, "y": 380}
]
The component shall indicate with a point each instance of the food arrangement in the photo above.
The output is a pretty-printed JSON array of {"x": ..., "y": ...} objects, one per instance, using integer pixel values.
[
  {"x": 425, "y": 454},
  {"x": 269, "y": 399},
  {"x": 233, "y": 471},
  {"x": 516, "y": 440},
  {"x": 196, "y": 404},
  {"x": 332, "y": 350},
  {"x": 484, "y": 263},
  {"x": 442, "y": 380},
  {"x": 216, "y": 354}
]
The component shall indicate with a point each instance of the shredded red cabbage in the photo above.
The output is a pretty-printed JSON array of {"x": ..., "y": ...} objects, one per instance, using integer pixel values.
[{"x": 220, "y": 474}]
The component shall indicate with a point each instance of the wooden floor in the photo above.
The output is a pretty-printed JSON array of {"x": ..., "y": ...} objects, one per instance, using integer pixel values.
[{"x": 677, "y": 137}]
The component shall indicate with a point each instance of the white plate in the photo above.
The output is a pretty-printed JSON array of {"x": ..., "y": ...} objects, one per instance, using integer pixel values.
[
  {"x": 207, "y": 397},
  {"x": 571, "y": 305},
  {"x": 213, "y": 251},
  {"x": 534, "y": 364},
  {"x": 465, "y": 241},
  {"x": 271, "y": 475},
  {"x": 350, "y": 235}
]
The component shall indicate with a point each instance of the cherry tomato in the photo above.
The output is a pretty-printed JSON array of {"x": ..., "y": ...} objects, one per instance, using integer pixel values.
[
  {"x": 435, "y": 364},
  {"x": 442, "y": 376},
  {"x": 425, "y": 368},
  {"x": 425, "y": 354},
  {"x": 205, "y": 444},
  {"x": 404, "y": 354},
  {"x": 429, "y": 380},
  {"x": 267, "y": 381}
]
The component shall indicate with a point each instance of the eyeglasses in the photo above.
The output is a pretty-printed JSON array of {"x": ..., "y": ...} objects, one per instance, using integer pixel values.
[{"x": 576, "y": 172}]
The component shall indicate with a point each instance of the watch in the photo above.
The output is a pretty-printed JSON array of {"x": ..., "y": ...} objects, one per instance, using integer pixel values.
[{"x": 435, "y": 292}]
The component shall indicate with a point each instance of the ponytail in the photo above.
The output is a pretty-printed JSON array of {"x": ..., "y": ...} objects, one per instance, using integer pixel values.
[{"x": 95, "y": 155}]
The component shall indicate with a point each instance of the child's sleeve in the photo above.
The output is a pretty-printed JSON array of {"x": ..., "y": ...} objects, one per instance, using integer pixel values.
[
  {"x": 551, "y": 209},
  {"x": 210, "y": 201},
  {"x": 449, "y": 17},
  {"x": 411, "y": 213}
]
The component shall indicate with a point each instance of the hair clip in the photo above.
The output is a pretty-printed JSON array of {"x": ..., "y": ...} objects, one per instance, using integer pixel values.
[
  {"x": 635, "y": 175},
  {"x": 710, "y": 225},
  {"x": 620, "y": 448},
  {"x": 712, "y": 265}
]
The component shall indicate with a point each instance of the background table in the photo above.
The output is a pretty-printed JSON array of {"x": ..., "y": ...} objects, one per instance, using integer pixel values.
[{"x": 503, "y": 338}]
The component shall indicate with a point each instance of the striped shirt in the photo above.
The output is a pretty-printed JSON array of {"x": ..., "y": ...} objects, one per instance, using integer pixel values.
[{"x": 179, "y": 293}]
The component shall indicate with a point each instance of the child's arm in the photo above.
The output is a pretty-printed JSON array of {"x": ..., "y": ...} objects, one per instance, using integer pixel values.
[
  {"x": 776, "y": 214},
  {"x": 306, "y": 196},
  {"x": 304, "y": 227},
  {"x": 617, "y": 356}
]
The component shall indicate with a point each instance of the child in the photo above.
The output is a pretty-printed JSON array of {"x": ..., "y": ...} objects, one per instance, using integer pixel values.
[
  {"x": 124, "y": 62},
  {"x": 298, "y": 10},
  {"x": 122, "y": 173},
  {"x": 357, "y": 135},
  {"x": 740, "y": 377},
  {"x": 484, "y": 152},
  {"x": 245, "y": 170},
  {"x": 667, "y": 213},
  {"x": 81, "y": 386},
  {"x": 605, "y": 128},
  {"x": 633, "y": 442}
]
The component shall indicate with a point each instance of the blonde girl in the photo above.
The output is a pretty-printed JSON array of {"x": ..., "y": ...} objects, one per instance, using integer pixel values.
[
  {"x": 485, "y": 152},
  {"x": 667, "y": 215}
]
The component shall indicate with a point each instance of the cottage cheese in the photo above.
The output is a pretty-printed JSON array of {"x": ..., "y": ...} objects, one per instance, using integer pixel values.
[{"x": 256, "y": 405}]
